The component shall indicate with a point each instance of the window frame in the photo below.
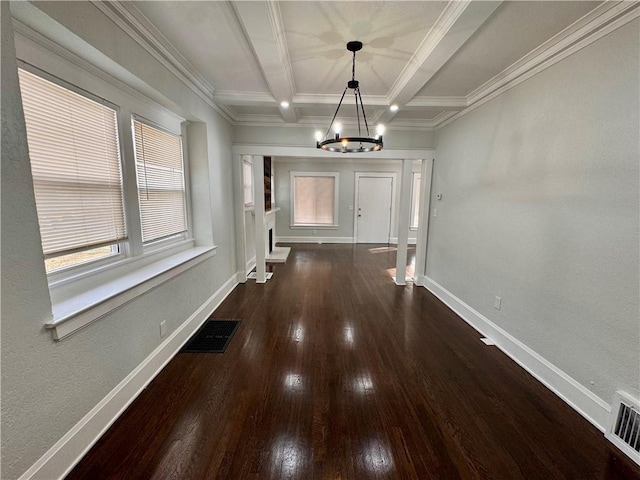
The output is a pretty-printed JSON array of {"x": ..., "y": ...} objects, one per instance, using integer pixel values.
[
  {"x": 72, "y": 270},
  {"x": 248, "y": 205},
  {"x": 132, "y": 249},
  {"x": 153, "y": 245},
  {"x": 415, "y": 204},
  {"x": 336, "y": 209}
]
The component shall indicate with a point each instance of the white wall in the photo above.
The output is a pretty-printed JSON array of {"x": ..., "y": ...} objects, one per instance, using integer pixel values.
[
  {"x": 346, "y": 194},
  {"x": 48, "y": 386},
  {"x": 540, "y": 207}
]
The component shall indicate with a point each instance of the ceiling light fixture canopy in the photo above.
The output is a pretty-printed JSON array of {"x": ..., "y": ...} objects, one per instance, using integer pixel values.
[{"x": 342, "y": 143}]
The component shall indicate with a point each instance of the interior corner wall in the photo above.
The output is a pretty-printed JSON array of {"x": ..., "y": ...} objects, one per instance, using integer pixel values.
[
  {"x": 48, "y": 386},
  {"x": 346, "y": 196},
  {"x": 540, "y": 207}
]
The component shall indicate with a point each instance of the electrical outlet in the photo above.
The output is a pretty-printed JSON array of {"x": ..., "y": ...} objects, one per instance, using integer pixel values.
[
  {"x": 163, "y": 329},
  {"x": 497, "y": 303}
]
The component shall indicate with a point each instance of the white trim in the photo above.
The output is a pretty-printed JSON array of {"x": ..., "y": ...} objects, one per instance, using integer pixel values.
[
  {"x": 278, "y": 29},
  {"x": 251, "y": 264},
  {"x": 412, "y": 214},
  {"x": 141, "y": 30},
  {"x": 80, "y": 310},
  {"x": 27, "y": 34},
  {"x": 315, "y": 240},
  {"x": 133, "y": 22},
  {"x": 576, "y": 395},
  {"x": 67, "y": 452},
  {"x": 392, "y": 219},
  {"x": 435, "y": 35},
  {"x": 601, "y": 21},
  {"x": 313, "y": 152},
  {"x": 410, "y": 241}
]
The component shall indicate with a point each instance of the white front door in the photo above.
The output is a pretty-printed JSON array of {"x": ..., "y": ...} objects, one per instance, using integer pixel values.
[{"x": 373, "y": 209}]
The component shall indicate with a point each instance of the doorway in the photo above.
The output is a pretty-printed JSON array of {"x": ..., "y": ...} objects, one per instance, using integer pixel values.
[{"x": 375, "y": 193}]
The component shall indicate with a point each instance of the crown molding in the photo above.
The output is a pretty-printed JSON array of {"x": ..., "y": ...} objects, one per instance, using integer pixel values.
[
  {"x": 130, "y": 19},
  {"x": 229, "y": 97},
  {"x": 133, "y": 22},
  {"x": 442, "y": 117},
  {"x": 601, "y": 21},
  {"x": 314, "y": 99},
  {"x": 444, "y": 102},
  {"x": 437, "y": 32},
  {"x": 28, "y": 33}
]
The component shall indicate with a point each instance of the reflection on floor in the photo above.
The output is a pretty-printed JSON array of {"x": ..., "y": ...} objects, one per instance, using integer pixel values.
[{"x": 335, "y": 372}]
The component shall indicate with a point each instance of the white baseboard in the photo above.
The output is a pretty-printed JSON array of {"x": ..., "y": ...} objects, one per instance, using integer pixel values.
[
  {"x": 580, "y": 398},
  {"x": 251, "y": 264},
  {"x": 394, "y": 241},
  {"x": 69, "y": 450},
  {"x": 315, "y": 239}
]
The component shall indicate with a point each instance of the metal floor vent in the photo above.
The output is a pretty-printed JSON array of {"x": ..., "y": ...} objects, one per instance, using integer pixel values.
[
  {"x": 624, "y": 430},
  {"x": 213, "y": 337}
]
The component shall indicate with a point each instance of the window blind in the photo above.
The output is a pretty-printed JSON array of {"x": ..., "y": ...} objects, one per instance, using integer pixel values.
[
  {"x": 160, "y": 173},
  {"x": 75, "y": 163},
  {"x": 314, "y": 200}
]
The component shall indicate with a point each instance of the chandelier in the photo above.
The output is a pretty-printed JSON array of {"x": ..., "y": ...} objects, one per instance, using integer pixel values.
[{"x": 351, "y": 144}]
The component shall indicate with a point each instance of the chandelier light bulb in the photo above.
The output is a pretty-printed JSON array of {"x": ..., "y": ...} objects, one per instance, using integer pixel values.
[
  {"x": 380, "y": 129},
  {"x": 319, "y": 136},
  {"x": 337, "y": 127}
]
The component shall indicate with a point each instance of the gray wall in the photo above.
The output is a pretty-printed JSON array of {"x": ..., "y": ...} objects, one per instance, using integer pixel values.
[
  {"x": 346, "y": 193},
  {"x": 48, "y": 386},
  {"x": 540, "y": 207},
  {"x": 301, "y": 136}
]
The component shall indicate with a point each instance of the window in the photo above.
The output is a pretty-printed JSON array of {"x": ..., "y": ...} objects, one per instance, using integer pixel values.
[
  {"x": 314, "y": 199},
  {"x": 160, "y": 174},
  {"x": 415, "y": 201},
  {"x": 77, "y": 177},
  {"x": 247, "y": 180},
  {"x": 79, "y": 160}
]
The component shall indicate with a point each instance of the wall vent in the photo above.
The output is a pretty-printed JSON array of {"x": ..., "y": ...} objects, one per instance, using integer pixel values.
[{"x": 624, "y": 428}]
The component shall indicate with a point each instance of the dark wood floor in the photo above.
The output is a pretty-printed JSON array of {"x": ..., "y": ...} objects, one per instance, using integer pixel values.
[{"x": 336, "y": 373}]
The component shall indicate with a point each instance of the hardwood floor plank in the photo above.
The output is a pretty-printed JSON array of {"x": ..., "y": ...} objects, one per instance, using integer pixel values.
[{"x": 337, "y": 373}]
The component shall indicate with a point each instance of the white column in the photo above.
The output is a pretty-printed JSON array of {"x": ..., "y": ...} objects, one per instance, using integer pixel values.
[
  {"x": 403, "y": 222},
  {"x": 258, "y": 203},
  {"x": 420, "y": 269},
  {"x": 241, "y": 233}
]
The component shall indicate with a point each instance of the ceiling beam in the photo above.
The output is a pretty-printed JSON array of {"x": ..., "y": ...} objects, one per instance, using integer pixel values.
[
  {"x": 457, "y": 23},
  {"x": 263, "y": 28}
]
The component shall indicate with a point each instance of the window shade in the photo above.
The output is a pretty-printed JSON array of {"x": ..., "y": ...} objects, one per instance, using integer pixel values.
[
  {"x": 75, "y": 162},
  {"x": 160, "y": 173},
  {"x": 314, "y": 200}
]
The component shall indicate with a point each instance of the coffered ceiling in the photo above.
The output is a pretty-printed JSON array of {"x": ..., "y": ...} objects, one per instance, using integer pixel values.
[{"x": 427, "y": 57}]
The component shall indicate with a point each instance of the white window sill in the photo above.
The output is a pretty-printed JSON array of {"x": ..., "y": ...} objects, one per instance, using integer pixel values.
[
  {"x": 79, "y": 310},
  {"x": 317, "y": 227}
]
